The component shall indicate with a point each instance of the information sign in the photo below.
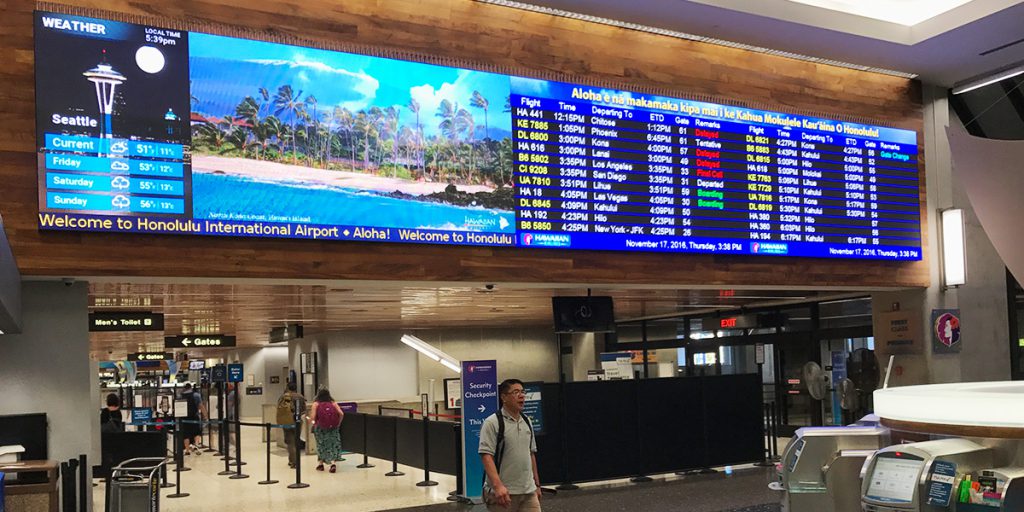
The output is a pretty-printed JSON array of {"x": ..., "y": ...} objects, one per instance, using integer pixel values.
[
  {"x": 235, "y": 372},
  {"x": 534, "y": 407},
  {"x": 479, "y": 400}
]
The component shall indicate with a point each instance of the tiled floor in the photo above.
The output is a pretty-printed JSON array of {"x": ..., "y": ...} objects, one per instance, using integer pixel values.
[
  {"x": 350, "y": 489},
  {"x": 745, "y": 491},
  {"x": 355, "y": 490}
]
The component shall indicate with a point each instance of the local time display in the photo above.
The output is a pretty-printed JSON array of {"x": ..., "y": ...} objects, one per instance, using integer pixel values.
[{"x": 151, "y": 130}]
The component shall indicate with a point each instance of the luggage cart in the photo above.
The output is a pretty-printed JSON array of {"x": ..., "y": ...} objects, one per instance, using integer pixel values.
[{"x": 135, "y": 485}]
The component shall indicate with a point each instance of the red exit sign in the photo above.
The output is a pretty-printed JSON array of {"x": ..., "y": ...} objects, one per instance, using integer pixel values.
[{"x": 728, "y": 323}]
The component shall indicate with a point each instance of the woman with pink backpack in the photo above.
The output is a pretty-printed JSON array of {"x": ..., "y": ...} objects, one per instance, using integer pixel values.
[{"x": 326, "y": 419}]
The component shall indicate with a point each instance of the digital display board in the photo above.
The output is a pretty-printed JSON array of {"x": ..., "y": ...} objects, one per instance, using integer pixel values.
[{"x": 149, "y": 130}]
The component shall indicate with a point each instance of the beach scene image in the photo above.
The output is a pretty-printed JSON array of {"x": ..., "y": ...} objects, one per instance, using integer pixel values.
[{"x": 292, "y": 134}]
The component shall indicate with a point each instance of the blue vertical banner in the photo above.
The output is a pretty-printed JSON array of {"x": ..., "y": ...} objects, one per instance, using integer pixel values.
[
  {"x": 235, "y": 372},
  {"x": 479, "y": 400},
  {"x": 838, "y": 375},
  {"x": 534, "y": 406}
]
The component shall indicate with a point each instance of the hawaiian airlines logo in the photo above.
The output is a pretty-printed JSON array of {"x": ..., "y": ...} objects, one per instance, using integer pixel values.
[{"x": 528, "y": 239}]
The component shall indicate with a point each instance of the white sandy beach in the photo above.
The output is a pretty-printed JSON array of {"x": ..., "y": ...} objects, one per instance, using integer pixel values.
[{"x": 278, "y": 172}]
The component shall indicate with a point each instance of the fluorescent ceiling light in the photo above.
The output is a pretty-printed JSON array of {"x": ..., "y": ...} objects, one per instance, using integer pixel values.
[
  {"x": 902, "y": 12},
  {"x": 989, "y": 80},
  {"x": 432, "y": 352},
  {"x": 692, "y": 37}
]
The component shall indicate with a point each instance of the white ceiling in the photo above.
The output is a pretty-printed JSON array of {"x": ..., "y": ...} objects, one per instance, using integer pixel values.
[{"x": 943, "y": 49}]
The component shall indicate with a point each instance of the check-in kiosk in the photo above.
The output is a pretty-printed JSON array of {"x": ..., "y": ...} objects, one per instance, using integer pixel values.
[
  {"x": 920, "y": 477},
  {"x": 821, "y": 467}
]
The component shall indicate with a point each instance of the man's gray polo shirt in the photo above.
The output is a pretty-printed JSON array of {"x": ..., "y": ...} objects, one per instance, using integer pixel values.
[{"x": 516, "y": 470}]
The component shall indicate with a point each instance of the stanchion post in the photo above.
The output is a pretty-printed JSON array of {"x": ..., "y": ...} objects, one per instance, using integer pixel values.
[
  {"x": 366, "y": 446},
  {"x": 298, "y": 461},
  {"x": 83, "y": 483},
  {"x": 181, "y": 462},
  {"x": 225, "y": 435},
  {"x": 427, "y": 482},
  {"x": 268, "y": 481},
  {"x": 766, "y": 433},
  {"x": 394, "y": 451},
  {"x": 209, "y": 424},
  {"x": 775, "y": 431},
  {"x": 238, "y": 447},
  {"x": 456, "y": 495}
]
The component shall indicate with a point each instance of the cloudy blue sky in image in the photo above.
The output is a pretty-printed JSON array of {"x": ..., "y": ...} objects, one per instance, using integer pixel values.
[{"x": 224, "y": 70}]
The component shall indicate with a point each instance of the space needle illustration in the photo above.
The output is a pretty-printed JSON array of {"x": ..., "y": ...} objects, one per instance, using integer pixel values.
[{"x": 106, "y": 79}]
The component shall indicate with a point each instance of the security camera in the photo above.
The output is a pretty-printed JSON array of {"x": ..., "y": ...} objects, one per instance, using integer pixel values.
[
  {"x": 489, "y": 286},
  {"x": 68, "y": 281}
]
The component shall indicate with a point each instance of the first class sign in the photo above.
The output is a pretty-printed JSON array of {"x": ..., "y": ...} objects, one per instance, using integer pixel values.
[
  {"x": 208, "y": 341},
  {"x": 126, "y": 321}
]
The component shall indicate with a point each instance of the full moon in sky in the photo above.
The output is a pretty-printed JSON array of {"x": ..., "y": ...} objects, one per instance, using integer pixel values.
[{"x": 149, "y": 59}]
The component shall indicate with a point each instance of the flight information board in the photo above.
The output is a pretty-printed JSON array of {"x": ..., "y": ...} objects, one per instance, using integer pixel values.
[{"x": 149, "y": 130}]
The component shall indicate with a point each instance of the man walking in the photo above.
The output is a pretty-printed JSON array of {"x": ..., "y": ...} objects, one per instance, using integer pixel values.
[{"x": 508, "y": 451}]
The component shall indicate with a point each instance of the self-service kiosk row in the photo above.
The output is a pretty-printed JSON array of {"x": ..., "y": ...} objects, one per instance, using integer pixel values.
[{"x": 852, "y": 469}]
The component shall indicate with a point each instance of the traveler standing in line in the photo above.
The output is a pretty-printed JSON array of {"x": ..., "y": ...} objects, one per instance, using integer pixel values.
[
  {"x": 110, "y": 416},
  {"x": 290, "y": 408},
  {"x": 326, "y": 419},
  {"x": 508, "y": 450},
  {"x": 192, "y": 429}
]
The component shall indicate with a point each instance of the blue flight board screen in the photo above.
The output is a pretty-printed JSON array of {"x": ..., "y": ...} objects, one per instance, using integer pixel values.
[{"x": 144, "y": 129}]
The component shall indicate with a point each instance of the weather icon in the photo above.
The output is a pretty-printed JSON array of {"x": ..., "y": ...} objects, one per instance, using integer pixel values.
[
  {"x": 119, "y": 182},
  {"x": 117, "y": 165},
  {"x": 119, "y": 147},
  {"x": 120, "y": 202}
]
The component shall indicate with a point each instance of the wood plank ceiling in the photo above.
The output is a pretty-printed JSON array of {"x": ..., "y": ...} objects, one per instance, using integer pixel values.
[{"x": 249, "y": 311}]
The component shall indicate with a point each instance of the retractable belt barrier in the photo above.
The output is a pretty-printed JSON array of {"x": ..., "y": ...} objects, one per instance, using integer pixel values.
[{"x": 175, "y": 428}]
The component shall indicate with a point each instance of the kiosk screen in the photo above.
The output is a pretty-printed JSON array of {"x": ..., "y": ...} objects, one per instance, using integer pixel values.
[{"x": 894, "y": 479}]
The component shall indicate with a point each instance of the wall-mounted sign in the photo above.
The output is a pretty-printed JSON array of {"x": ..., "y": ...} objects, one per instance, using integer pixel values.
[
  {"x": 207, "y": 341},
  {"x": 638, "y": 356},
  {"x": 235, "y": 372},
  {"x": 899, "y": 332},
  {"x": 254, "y": 390},
  {"x": 946, "y": 331},
  {"x": 197, "y": 364},
  {"x": 151, "y": 356},
  {"x": 126, "y": 321},
  {"x": 220, "y": 373},
  {"x": 142, "y": 415},
  {"x": 533, "y": 407},
  {"x": 288, "y": 332},
  {"x": 452, "y": 393},
  {"x": 274, "y": 379},
  {"x": 479, "y": 400}
]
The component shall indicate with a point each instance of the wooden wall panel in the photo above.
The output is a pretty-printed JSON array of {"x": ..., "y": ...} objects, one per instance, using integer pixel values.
[{"x": 493, "y": 38}]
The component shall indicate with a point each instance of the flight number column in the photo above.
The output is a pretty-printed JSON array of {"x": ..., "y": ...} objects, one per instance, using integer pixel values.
[{"x": 551, "y": 166}]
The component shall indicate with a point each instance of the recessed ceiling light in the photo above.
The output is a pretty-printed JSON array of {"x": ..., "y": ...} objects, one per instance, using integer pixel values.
[{"x": 902, "y": 12}]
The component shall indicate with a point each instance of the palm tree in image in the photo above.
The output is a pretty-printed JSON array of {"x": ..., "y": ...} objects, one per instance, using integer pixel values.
[
  {"x": 248, "y": 111},
  {"x": 391, "y": 116},
  {"x": 479, "y": 101},
  {"x": 346, "y": 125},
  {"x": 414, "y": 107},
  {"x": 265, "y": 132},
  {"x": 364, "y": 125},
  {"x": 289, "y": 103},
  {"x": 449, "y": 126},
  {"x": 466, "y": 122},
  {"x": 311, "y": 101}
]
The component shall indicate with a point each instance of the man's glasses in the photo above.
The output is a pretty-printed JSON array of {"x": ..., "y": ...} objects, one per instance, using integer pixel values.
[{"x": 516, "y": 392}]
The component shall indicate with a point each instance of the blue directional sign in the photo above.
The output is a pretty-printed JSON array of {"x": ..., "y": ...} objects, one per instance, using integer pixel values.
[{"x": 479, "y": 400}]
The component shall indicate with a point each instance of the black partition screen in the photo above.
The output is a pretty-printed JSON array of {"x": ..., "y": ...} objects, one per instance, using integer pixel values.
[
  {"x": 671, "y": 429},
  {"x": 735, "y": 407},
  {"x": 601, "y": 429},
  {"x": 615, "y": 429}
]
